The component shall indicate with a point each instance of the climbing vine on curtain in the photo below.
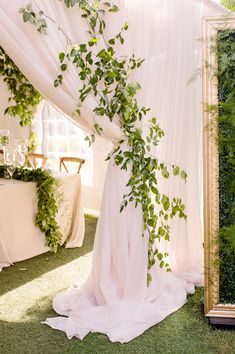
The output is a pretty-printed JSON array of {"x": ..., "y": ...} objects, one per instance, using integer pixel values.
[{"x": 105, "y": 74}]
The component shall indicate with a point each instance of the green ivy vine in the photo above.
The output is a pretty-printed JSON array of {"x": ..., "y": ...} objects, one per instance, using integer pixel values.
[
  {"x": 106, "y": 76},
  {"x": 24, "y": 97},
  {"x": 48, "y": 200}
]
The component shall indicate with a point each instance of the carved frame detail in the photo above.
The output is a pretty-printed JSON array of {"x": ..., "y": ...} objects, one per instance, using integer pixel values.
[{"x": 213, "y": 307}]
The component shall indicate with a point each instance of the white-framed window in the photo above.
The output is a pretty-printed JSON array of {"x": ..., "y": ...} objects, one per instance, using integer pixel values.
[{"x": 61, "y": 137}]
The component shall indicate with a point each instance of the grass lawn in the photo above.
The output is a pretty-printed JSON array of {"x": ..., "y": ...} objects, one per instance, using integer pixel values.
[{"x": 26, "y": 291}]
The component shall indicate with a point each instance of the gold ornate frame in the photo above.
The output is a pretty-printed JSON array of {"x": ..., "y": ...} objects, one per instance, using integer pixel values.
[{"x": 217, "y": 312}]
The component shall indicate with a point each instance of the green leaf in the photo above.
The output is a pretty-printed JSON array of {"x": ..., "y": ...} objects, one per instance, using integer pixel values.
[
  {"x": 151, "y": 222},
  {"x": 114, "y": 8},
  {"x": 99, "y": 111},
  {"x": 63, "y": 67},
  {"x": 183, "y": 175},
  {"x": 61, "y": 56},
  {"x": 56, "y": 83},
  {"x": 176, "y": 171},
  {"x": 125, "y": 27},
  {"x": 112, "y": 41},
  {"x": 93, "y": 41},
  {"x": 154, "y": 190},
  {"x": 154, "y": 120},
  {"x": 83, "y": 48},
  {"x": 118, "y": 159},
  {"x": 149, "y": 279},
  {"x": 165, "y": 202},
  {"x": 165, "y": 172},
  {"x": 121, "y": 40},
  {"x": 159, "y": 256},
  {"x": 98, "y": 128},
  {"x": 26, "y": 16}
]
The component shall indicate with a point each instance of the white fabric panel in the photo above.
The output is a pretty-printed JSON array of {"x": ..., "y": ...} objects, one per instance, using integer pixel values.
[
  {"x": 116, "y": 300},
  {"x": 170, "y": 38}
]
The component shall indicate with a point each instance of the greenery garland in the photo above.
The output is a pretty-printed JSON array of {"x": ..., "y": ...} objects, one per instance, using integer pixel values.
[
  {"x": 106, "y": 76},
  {"x": 48, "y": 200},
  {"x": 23, "y": 94}
]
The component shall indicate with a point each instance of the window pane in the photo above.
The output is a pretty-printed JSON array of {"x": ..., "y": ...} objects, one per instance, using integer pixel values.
[{"x": 63, "y": 138}]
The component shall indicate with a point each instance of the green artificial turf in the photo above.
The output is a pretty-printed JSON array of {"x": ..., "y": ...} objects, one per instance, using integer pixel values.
[{"x": 26, "y": 291}]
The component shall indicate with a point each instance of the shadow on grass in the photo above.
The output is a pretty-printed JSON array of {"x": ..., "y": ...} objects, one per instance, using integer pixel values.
[
  {"x": 32, "y": 337},
  {"x": 25, "y": 271}
]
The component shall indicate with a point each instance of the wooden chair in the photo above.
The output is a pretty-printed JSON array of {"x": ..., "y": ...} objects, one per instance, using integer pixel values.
[
  {"x": 1, "y": 156},
  {"x": 32, "y": 160},
  {"x": 65, "y": 159}
]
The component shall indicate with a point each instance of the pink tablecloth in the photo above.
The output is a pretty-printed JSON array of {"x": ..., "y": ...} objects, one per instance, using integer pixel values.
[{"x": 19, "y": 237}]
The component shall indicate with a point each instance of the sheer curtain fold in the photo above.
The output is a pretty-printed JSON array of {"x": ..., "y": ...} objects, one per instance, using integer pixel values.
[
  {"x": 42, "y": 58},
  {"x": 170, "y": 38},
  {"x": 115, "y": 299}
]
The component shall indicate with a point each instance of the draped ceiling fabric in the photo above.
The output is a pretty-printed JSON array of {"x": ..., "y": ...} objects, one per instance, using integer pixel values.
[{"x": 115, "y": 299}]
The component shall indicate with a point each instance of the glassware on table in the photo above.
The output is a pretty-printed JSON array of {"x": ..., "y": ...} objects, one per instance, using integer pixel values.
[
  {"x": 4, "y": 137},
  {"x": 10, "y": 170},
  {"x": 10, "y": 159},
  {"x": 22, "y": 145},
  {"x": 22, "y": 148}
]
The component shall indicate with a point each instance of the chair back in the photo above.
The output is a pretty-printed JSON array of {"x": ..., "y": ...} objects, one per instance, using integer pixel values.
[
  {"x": 32, "y": 159},
  {"x": 64, "y": 160},
  {"x": 1, "y": 156}
]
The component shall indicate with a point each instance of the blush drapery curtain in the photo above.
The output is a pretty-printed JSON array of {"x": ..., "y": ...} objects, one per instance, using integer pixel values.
[{"x": 115, "y": 299}]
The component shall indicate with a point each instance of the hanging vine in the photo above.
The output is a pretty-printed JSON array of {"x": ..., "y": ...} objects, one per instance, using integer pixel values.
[
  {"x": 24, "y": 97},
  {"x": 106, "y": 76}
]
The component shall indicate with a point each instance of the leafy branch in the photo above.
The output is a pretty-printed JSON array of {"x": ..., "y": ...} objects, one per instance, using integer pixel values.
[
  {"x": 23, "y": 94},
  {"x": 24, "y": 97}
]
